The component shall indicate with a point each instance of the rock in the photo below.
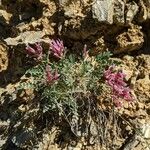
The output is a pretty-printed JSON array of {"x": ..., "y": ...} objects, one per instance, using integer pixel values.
[
  {"x": 144, "y": 65},
  {"x": 132, "y": 9},
  {"x": 48, "y": 28},
  {"x": 3, "y": 57},
  {"x": 146, "y": 131},
  {"x": 73, "y": 148},
  {"x": 25, "y": 38},
  {"x": 100, "y": 45},
  {"x": 72, "y": 13},
  {"x": 119, "y": 10},
  {"x": 2, "y": 142},
  {"x": 93, "y": 128},
  {"x": 23, "y": 137},
  {"x": 4, "y": 125},
  {"x": 131, "y": 40},
  {"x": 93, "y": 132},
  {"x": 142, "y": 15},
  {"x": 142, "y": 89},
  {"x": 5, "y": 16},
  {"x": 48, "y": 140},
  {"x": 63, "y": 2},
  {"x": 73, "y": 10},
  {"x": 103, "y": 11}
]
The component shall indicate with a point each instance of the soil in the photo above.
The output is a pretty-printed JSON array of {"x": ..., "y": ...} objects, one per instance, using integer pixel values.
[{"x": 125, "y": 31}]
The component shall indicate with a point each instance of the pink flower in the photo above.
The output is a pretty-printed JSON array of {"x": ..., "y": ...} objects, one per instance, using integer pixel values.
[
  {"x": 57, "y": 48},
  {"x": 50, "y": 78},
  {"x": 35, "y": 50},
  {"x": 126, "y": 94},
  {"x": 115, "y": 79}
]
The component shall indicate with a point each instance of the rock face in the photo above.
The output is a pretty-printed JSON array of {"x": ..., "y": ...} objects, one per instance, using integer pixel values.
[
  {"x": 77, "y": 20},
  {"x": 119, "y": 26},
  {"x": 105, "y": 19}
]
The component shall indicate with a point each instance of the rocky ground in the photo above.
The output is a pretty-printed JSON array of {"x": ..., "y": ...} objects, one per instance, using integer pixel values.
[{"x": 119, "y": 26}]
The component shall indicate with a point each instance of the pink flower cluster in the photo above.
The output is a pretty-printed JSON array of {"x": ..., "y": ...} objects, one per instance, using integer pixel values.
[
  {"x": 50, "y": 78},
  {"x": 57, "y": 48},
  {"x": 35, "y": 50},
  {"x": 115, "y": 79}
]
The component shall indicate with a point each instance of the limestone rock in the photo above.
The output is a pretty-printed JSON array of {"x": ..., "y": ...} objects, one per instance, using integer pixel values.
[
  {"x": 143, "y": 62},
  {"x": 142, "y": 89},
  {"x": 3, "y": 57},
  {"x": 131, "y": 40},
  {"x": 146, "y": 131},
  {"x": 142, "y": 16},
  {"x": 26, "y": 37},
  {"x": 147, "y": 3},
  {"x": 63, "y": 2},
  {"x": 47, "y": 141},
  {"x": 119, "y": 10},
  {"x": 93, "y": 132},
  {"x": 5, "y": 16},
  {"x": 132, "y": 9},
  {"x": 103, "y": 11}
]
